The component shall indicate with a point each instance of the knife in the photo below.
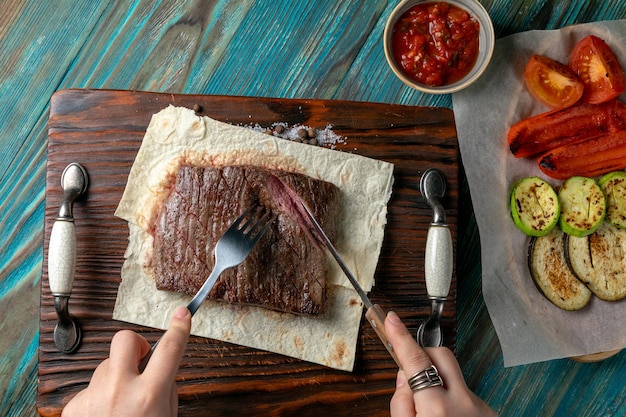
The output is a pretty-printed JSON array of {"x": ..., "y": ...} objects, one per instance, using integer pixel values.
[{"x": 374, "y": 314}]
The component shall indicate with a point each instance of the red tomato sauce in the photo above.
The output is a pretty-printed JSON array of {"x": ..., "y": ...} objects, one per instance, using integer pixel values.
[{"x": 436, "y": 43}]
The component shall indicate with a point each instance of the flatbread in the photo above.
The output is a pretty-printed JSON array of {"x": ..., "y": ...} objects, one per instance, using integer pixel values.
[{"x": 177, "y": 135}]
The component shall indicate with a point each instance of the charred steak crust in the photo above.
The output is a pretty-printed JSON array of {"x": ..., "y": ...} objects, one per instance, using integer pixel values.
[{"x": 285, "y": 271}]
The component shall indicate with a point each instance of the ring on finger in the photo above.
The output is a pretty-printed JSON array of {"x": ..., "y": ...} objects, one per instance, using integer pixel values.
[{"x": 426, "y": 378}]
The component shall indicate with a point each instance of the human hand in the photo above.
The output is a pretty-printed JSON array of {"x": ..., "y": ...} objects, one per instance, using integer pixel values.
[
  {"x": 453, "y": 399},
  {"x": 117, "y": 388}
]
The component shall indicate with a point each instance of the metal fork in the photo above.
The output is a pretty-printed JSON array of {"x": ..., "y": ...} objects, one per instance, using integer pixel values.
[{"x": 230, "y": 250}]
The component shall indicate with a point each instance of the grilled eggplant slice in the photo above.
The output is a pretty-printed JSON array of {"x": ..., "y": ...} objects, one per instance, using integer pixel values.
[
  {"x": 583, "y": 206},
  {"x": 551, "y": 274},
  {"x": 534, "y": 206},
  {"x": 599, "y": 261},
  {"x": 613, "y": 186}
]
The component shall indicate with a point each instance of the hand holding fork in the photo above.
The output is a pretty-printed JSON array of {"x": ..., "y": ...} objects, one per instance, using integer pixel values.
[{"x": 230, "y": 250}]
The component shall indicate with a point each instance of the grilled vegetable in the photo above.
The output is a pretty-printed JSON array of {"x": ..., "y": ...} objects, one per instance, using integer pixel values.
[
  {"x": 598, "y": 68},
  {"x": 598, "y": 261},
  {"x": 590, "y": 158},
  {"x": 534, "y": 206},
  {"x": 550, "y": 130},
  {"x": 582, "y": 206},
  {"x": 551, "y": 274},
  {"x": 613, "y": 186},
  {"x": 552, "y": 83}
]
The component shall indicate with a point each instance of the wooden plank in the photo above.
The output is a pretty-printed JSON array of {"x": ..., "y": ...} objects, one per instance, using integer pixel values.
[
  {"x": 38, "y": 42},
  {"x": 79, "y": 49},
  {"x": 305, "y": 37},
  {"x": 103, "y": 131}
]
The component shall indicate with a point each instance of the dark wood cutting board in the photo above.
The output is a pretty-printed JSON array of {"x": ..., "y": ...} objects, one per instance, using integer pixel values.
[{"x": 103, "y": 130}]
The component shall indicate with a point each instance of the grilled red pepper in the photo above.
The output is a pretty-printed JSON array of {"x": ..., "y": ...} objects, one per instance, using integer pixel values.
[
  {"x": 550, "y": 130},
  {"x": 588, "y": 158}
]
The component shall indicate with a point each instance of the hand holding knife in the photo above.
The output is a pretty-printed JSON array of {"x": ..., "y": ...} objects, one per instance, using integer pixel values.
[{"x": 374, "y": 314}]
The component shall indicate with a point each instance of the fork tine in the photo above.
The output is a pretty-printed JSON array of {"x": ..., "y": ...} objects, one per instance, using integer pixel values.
[
  {"x": 258, "y": 219},
  {"x": 241, "y": 218},
  {"x": 263, "y": 223},
  {"x": 248, "y": 226}
]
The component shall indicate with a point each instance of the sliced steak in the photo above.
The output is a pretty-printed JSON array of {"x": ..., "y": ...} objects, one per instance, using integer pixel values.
[{"x": 285, "y": 271}]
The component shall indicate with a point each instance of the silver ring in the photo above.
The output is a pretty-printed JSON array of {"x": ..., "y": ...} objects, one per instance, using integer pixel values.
[{"x": 427, "y": 378}]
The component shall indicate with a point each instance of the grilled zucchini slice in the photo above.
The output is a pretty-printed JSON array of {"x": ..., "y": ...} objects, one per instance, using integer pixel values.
[
  {"x": 613, "y": 186},
  {"x": 583, "y": 206},
  {"x": 551, "y": 274},
  {"x": 534, "y": 206}
]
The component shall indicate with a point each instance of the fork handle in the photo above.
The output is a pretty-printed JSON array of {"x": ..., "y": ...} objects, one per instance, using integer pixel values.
[
  {"x": 144, "y": 361},
  {"x": 193, "y": 306},
  {"x": 206, "y": 288}
]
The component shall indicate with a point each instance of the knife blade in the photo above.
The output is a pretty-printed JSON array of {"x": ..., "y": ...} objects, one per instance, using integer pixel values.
[{"x": 374, "y": 314}]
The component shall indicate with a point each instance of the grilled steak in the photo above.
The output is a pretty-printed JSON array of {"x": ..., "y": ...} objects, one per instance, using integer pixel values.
[{"x": 285, "y": 271}]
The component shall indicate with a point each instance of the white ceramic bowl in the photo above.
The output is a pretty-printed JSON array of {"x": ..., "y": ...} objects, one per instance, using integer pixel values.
[{"x": 486, "y": 42}]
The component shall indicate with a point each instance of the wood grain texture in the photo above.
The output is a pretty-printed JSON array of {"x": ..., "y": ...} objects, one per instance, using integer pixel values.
[
  {"x": 103, "y": 129},
  {"x": 50, "y": 45}
]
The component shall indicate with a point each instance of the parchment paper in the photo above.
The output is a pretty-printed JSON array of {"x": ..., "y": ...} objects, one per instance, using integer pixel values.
[
  {"x": 529, "y": 327},
  {"x": 365, "y": 185}
]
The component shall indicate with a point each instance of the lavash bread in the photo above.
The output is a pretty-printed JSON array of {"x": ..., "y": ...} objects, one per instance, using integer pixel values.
[{"x": 178, "y": 136}]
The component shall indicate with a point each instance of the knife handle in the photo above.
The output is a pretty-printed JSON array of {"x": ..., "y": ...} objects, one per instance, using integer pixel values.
[
  {"x": 376, "y": 317},
  {"x": 62, "y": 257},
  {"x": 438, "y": 261}
]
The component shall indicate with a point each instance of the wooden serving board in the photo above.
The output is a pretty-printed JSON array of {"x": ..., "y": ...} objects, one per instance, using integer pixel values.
[{"x": 103, "y": 130}]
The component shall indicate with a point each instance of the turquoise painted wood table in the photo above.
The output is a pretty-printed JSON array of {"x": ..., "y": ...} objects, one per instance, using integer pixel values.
[{"x": 326, "y": 50}]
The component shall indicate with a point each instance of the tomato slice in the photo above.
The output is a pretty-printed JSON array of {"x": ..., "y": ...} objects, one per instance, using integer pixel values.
[
  {"x": 598, "y": 68},
  {"x": 552, "y": 83}
]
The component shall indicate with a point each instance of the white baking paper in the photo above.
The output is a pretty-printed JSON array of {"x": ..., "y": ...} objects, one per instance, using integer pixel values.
[{"x": 529, "y": 327}]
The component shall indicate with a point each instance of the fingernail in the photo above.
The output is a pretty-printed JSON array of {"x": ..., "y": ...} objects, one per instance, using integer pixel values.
[
  {"x": 181, "y": 312},
  {"x": 394, "y": 318}
]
